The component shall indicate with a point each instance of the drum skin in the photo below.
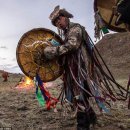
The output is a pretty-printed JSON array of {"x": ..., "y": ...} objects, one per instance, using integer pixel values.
[
  {"x": 105, "y": 8},
  {"x": 30, "y": 50}
]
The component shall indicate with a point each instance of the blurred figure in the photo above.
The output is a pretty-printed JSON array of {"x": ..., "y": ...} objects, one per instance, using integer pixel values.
[{"x": 5, "y": 76}]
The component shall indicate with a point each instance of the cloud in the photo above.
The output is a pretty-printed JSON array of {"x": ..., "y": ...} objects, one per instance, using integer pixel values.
[
  {"x": 6, "y": 65},
  {"x": 1, "y": 58},
  {"x": 14, "y": 67},
  {"x": 11, "y": 68},
  {"x": 3, "y": 47},
  {"x": 14, "y": 59}
]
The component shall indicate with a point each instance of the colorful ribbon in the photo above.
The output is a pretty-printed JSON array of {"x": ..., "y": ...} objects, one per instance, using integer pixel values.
[{"x": 43, "y": 95}]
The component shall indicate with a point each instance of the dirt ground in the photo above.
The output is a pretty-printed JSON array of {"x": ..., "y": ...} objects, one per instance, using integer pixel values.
[{"x": 19, "y": 110}]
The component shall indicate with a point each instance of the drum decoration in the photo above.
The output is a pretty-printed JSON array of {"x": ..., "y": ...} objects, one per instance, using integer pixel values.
[{"x": 30, "y": 58}]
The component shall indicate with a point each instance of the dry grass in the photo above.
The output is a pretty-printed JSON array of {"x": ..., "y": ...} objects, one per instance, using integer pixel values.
[{"x": 19, "y": 109}]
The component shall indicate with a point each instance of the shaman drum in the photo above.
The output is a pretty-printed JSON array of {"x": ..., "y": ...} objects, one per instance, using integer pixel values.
[
  {"x": 106, "y": 9},
  {"x": 30, "y": 50}
]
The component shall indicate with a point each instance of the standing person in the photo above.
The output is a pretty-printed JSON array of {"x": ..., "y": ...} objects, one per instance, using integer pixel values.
[
  {"x": 73, "y": 50},
  {"x": 80, "y": 76},
  {"x": 5, "y": 76}
]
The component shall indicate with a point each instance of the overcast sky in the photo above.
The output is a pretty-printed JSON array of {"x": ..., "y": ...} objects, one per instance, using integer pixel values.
[{"x": 20, "y": 16}]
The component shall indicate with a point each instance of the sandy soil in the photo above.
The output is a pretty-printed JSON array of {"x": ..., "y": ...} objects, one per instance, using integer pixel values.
[{"x": 20, "y": 110}]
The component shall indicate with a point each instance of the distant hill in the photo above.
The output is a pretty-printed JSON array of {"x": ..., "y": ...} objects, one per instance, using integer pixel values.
[
  {"x": 1, "y": 71},
  {"x": 115, "y": 50},
  {"x": 12, "y": 75}
]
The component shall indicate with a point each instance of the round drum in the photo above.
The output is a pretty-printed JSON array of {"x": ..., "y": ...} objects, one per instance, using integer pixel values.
[
  {"x": 30, "y": 56},
  {"x": 106, "y": 8}
]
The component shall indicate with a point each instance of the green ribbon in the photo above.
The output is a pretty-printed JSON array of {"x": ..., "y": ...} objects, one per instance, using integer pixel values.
[
  {"x": 40, "y": 97},
  {"x": 39, "y": 93},
  {"x": 105, "y": 30}
]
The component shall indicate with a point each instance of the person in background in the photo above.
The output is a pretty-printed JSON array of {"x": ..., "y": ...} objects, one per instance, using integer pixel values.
[{"x": 5, "y": 76}]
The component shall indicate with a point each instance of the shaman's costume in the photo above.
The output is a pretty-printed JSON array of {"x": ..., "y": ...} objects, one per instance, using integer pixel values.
[
  {"x": 83, "y": 75},
  {"x": 76, "y": 62}
]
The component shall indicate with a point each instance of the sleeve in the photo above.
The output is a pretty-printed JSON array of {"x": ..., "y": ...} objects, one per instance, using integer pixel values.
[{"x": 73, "y": 43}]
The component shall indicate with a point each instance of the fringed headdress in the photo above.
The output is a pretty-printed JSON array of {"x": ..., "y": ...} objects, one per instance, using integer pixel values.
[{"x": 59, "y": 12}]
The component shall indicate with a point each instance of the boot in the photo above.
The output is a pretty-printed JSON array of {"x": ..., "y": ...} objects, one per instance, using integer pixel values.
[
  {"x": 81, "y": 128},
  {"x": 92, "y": 116},
  {"x": 83, "y": 122}
]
